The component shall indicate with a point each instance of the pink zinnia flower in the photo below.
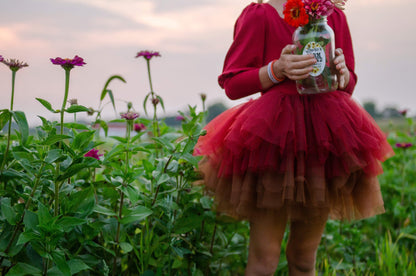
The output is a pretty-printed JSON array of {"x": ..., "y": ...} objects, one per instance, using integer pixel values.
[
  {"x": 14, "y": 64},
  {"x": 404, "y": 145},
  {"x": 68, "y": 63},
  {"x": 139, "y": 127},
  {"x": 403, "y": 112},
  {"x": 148, "y": 54},
  {"x": 94, "y": 154},
  {"x": 180, "y": 118},
  {"x": 129, "y": 115},
  {"x": 318, "y": 8}
]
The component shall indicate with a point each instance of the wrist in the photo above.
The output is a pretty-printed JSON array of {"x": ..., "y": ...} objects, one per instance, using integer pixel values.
[
  {"x": 277, "y": 69},
  {"x": 275, "y": 78}
]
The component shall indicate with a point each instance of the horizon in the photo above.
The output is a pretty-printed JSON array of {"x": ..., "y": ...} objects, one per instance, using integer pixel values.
[{"x": 192, "y": 38}]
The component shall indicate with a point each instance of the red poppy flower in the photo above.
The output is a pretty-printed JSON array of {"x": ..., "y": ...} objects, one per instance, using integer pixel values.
[{"x": 295, "y": 13}]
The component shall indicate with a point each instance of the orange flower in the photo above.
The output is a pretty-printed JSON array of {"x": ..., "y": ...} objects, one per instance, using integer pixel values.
[{"x": 295, "y": 13}]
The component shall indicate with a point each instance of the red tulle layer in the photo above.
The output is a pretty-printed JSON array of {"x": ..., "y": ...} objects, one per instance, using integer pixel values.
[{"x": 304, "y": 153}]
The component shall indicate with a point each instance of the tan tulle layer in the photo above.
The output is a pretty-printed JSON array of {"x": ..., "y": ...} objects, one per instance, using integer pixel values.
[{"x": 300, "y": 197}]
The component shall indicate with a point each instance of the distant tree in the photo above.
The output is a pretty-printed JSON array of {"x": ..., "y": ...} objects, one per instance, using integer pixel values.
[
  {"x": 214, "y": 110},
  {"x": 371, "y": 108},
  {"x": 390, "y": 112}
]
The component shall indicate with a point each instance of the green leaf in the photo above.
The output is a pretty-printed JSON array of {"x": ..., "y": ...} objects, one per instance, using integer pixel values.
[
  {"x": 47, "y": 105},
  {"x": 60, "y": 261},
  {"x": 72, "y": 170},
  {"x": 82, "y": 140},
  {"x": 76, "y": 126},
  {"x": 82, "y": 202},
  {"x": 131, "y": 193},
  {"x": 54, "y": 139},
  {"x": 67, "y": 223},
  {"x": 110, "y": 94},
  {"x": 22, "y": 269},
  {"x": 105, "y": 89},
  {"x": 186, "y": 224},
  {"x": 161, "y": 102},
  {"x": 23, "y": 156},
  {"x": 114, "y": 152},
  {"x": 5, "y": 116},
  {"x": 138, "y": 214},
  {"x": 77, "y": 108},
  {"x": 8, "y": 211},
  {"x": 126, "y": 247},
  {"x": 20, "y": 119},
  {"x": 76, "y": 266},
  {"x": 104, "y": 211},
  {"x": 206, "y": 202},
  {"x": 120, "y": 139},
  {"x": 104, "y": 125},
  {"x": 28, "y": 236},
  {"x": 30, "y": 220},
  {"x": 53, "y": 155},
  {"x": 44, "y": 216},
  {"x": 145, "y": 102}
]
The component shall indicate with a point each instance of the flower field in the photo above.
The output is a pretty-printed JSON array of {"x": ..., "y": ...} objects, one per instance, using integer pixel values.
[{"x": 73, "y": 202}]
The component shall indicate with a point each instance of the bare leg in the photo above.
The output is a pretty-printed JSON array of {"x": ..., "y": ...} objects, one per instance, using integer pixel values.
[
  {"x": 266, "y": 234},
  {"x": 304, "y": 239}
]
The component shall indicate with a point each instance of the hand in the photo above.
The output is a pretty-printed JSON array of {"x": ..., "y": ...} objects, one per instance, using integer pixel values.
[
  {"x": 343, "y": 72},
  {"x": 294, "y": 67}
]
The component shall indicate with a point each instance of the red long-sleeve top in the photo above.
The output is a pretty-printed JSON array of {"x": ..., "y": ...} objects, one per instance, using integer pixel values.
[{"x": 260, "y": 35}]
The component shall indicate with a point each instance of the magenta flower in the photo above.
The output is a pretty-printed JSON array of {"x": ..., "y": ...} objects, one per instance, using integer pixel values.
[
  {"x": 139, "y": 127},
  {"x": 130, "y": 115},
  {"x": 14, "y": 64},
  {"x": 318, "y": 8},
  {"x": 180, "y": 118},
  {"x": 147, "y": 54},
  {"x": 68, "y": 63},
  {"x": 404, "y": 145},
  {"x": 403, "y": 112},
  {"x": 94, "y": 154},
  {"x": 1, "y": 58}
]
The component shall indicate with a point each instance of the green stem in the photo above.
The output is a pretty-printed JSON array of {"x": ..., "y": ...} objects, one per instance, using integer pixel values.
[
  {"x": 19, "y": 224},
  {"x": 3, "y": 163},
  {"x": 120, "y": 211},
  {"x": 156, "y": 130},
  {"x": 67, "y": 73},
  {"x": 150, "y": 77}
]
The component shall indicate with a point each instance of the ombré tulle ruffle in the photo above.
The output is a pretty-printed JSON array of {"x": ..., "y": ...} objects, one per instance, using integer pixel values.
[{"x": 301, "y": 155}]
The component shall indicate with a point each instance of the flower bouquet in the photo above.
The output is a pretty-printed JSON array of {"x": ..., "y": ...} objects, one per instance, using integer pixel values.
[{"x": 314, "y": 36}]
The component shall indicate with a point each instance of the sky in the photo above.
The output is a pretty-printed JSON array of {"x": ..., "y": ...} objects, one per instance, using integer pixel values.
[{"x": 192, "y": 37}]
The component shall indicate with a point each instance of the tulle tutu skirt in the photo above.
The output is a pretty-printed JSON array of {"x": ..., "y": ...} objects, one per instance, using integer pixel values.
[{"x": 299, "y": 156}]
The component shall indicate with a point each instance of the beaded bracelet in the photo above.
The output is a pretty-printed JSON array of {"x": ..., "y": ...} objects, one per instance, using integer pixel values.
[{"x": 271, "y": 74}]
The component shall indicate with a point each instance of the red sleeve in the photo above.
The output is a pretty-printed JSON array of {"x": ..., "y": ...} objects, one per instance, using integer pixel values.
[
  {"x": 343, "y": 40},
  {"x": 240, "y": 76}
]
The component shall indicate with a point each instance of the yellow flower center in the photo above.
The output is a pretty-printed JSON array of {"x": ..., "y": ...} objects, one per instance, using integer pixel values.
[{"x": 314, "y": 6}]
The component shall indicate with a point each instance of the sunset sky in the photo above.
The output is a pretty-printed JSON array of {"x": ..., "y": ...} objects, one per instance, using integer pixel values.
[{"x": 192, "y": 36}]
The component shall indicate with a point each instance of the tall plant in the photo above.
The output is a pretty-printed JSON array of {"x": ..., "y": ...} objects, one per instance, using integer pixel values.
[{"x": 8, "y": 115}]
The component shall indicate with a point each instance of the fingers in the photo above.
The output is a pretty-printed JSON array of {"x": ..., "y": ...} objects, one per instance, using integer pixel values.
[
  {"x": 295, "y": 67},
  {"x": 341, "y": 66},
  {"x": 342, "y": 82},
  {"x": 288, "y": 49}
]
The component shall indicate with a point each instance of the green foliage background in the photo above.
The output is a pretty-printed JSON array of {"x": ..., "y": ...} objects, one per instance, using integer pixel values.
[{"x": 136, "y": 211}]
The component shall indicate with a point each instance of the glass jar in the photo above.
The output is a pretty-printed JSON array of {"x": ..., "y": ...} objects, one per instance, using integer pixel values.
[{"x": 317, "y": 38}]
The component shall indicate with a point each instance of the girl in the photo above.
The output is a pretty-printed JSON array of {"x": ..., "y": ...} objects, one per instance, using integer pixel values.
[{"x": 287, "y": 157}]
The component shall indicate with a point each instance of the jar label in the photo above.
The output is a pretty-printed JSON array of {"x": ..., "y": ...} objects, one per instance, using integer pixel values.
[{"x": 316, "y": 49}]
